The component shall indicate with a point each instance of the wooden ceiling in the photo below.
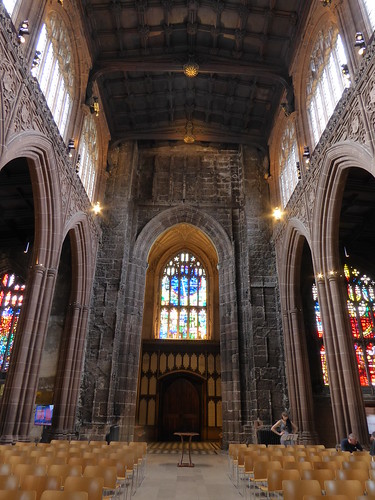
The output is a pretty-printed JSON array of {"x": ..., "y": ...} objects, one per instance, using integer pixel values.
[{"x": 243, "y": 50}]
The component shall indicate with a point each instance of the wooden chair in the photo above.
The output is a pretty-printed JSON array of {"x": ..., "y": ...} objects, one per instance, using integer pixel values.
[
  {"x": 40, "y": 484},
  {"x": 356, "y": 464},
  {"x": 17, "y": 495},
  {"x": 64, "y": 471},
  {"x": 320, "y": 475},
  {"x": 5, "y": 469},
  {"x": 359, "y": 474},
  {"x": 334, "y": 465},
  {"x": 370, "y": 487},
  {"x": 276, "y": 477},
  {"x": 260, "y": 477},
  {"x": 326, "y": 497},
  {"x": 22, "y": 470},
  {"x": 9, "y": 482},
  {"x": 352, "y": 488},
  {"x": 109, "y": 475},
  {"x": 48, "y": 460},
  {"x": 300, "y": 466},
  {"x": 64, "y": 495},
  {"x": 92, "y": 485},
  {"x": 295, "y": 490}
]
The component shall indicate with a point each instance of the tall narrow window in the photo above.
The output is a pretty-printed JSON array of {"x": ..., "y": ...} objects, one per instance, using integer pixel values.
[
  {"x": 11, "y": 298},
  {"x": 361, "y": 310},
  {"x": 55, "y": 71},
  {"x": 183, "y": 299},
  {"x": 10, "y": 6},
  {"x": 370, "y": 11},
  {"x": 88, "y": 156},
  {"x": 326, "y": 82},
  {"x": 288, "y": 159}
]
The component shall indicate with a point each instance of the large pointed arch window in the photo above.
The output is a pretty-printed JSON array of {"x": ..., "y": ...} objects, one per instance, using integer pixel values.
[
  {"x": 55, "y": 72},
  {"x": 326, "y": 81},
  {"x": 10, "y": 6},
  {"x": 361, "y": 311},
  {"x": 288, "y": 159},
  {"x": 183, "y": 299},
  {"x": 11, "y": 298}
]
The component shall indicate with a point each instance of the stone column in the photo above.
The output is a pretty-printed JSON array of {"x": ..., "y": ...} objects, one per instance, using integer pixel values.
[
  {"x": 347, "y": 402},
  {"x": 22, "y": 380}
]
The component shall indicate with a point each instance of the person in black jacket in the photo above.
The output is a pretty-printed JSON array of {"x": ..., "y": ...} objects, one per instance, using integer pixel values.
[{"x": 351, "y": 444}]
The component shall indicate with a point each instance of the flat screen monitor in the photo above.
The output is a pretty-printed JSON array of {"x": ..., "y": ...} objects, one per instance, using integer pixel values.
[{"x": 43, "y": 415}]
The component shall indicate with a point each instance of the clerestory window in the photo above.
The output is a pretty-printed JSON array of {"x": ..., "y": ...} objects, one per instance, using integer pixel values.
[
  {"x": 369, "y": 6},
  {"x": 10, "y": 5},
  {"x": 183, "y": 299},
  {"x": 55, "y": 71},
  {"x": 326, "y": 81},
  {"x": 87, "y": 165},
  {"x": 288, "y": 159}
]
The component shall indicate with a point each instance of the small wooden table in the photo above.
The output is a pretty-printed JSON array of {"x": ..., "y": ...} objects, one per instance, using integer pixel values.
[{"x": 190, "y": 435}]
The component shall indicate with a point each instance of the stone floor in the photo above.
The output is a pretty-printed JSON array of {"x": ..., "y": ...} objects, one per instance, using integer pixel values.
[{"x": 208, "y": 480}]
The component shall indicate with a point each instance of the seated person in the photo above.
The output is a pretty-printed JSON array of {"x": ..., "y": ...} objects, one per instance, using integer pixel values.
[
  {"x": 372, "y": 447},
  {"x": 351, "y": 444}
]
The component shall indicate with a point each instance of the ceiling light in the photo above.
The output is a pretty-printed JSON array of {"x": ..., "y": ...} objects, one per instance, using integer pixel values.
[
  {"x": 71, "y": 147},
  {"x": 298, "y": 170},
  {"x": 191, "y": 68},
  {"x": 37, "y": 59},
  {"x": 306, "y": 154},
  {"x": 96, "y": 208},
  {"x": 326, "y": 3}
]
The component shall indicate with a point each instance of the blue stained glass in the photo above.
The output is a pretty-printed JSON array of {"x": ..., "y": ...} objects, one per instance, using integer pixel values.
[
  {"x": 183, "y": 325},
  {"x": 165, "y": 291},
  {"x": 184, "y": 284},
  {"x": 174, "y": 291},
  {"x": 202, "y": 291},
  {"x": 193, "y": 291}
]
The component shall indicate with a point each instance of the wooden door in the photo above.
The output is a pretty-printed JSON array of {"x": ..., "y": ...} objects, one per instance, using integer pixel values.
[{"x": 180, "y": 409}]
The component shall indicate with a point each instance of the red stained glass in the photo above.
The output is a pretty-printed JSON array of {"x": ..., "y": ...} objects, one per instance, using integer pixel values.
[
  {"x": 323, "y": 360},
  {"x": 370, "y": 355},
  {"x": 11, "y": 297},
  {"x": 361, "y": 365}
]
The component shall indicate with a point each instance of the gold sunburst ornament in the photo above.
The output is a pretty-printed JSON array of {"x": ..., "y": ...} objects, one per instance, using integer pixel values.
[{"x": 191, "y": 69}]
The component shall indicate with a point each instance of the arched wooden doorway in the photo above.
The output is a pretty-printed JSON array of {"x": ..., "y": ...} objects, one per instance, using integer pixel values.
[{"x": 180, "y": 405}]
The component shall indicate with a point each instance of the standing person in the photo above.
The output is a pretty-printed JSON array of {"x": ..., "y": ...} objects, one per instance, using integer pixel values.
[
  {"x": 351, "y": 444},
  {"x": 372, "y": 447},
  {"x": 284, "y": 428}
]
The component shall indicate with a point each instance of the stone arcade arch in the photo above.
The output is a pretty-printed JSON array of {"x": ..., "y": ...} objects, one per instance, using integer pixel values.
[
  {"x": 19, "y": 394},
  {"x": 347, "y": 401},
  {"x": 128, "y": 363}
]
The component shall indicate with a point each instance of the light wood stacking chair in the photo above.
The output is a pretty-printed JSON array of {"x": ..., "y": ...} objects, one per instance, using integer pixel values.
[
  {"x": 109, "y": 475},
  {"x": 276, "y": 477},
  {"x": 40, "y": 484},
  {"x": 326, "y": 497},
  {"x": 5, "y": 469},
  {"x": 352, "y": 488},
  {"x": 370, "y": 487},
  {"x": 320, "y": 475},
  {"x": 295, "y": 490},
  {"x": 334, "y": 465},
  {"x": 64, "y": 471},
  {"x": 366, "y": 497},
  {"x": 17, "y": 495},
  {"x": 259, "y": 481},
  {"x": 64, "y": 495},
  {"x": 92, "y": 485},
  {"x": 356, "y": 464},
  {"x": 359, "y": 474},
  {"x": 9, "y": 482},
  {"x": 300, "y": 466},
  {"x": 22, "y": 470}
]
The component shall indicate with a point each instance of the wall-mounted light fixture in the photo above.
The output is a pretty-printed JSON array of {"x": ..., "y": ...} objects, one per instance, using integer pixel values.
[
  {"x": 285, "y": 109},
  {"x": 360, "y": 43},
  {"x": 277, "y": 213},
  {"x": 298, "y": 171},
  {"x": 96, "y": 208},
  {"x": 37, "y": 59},
  {"x": 23, "y": 30},
  {"x": 345, "y": 71},
  {"x": 326, "y": 3},
  {"x": 306, "y": 155},
  {"x": 71, "y": 147},
  {"x": 94, "y": 106},
  {"x": 78, "y": 163}
]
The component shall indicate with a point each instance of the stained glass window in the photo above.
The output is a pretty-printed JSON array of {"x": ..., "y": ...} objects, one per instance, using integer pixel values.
[
  {"x": 11, "y": 297},
  {"x": 183, "y": 302},
  {"x": 10, "y": 5},
  {"x": 361, "y": 310},
  {"x": 326, "y": 82}
]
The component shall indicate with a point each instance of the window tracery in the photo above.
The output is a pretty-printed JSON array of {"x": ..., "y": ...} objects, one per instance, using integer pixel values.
[
  {"x": 326, "y": 82},
  {"x": 288, "y": 159},
  {"x": 183, "y": 299},
  {"x": 88, "y": 156},
  {"x": 55, "y": 72}
]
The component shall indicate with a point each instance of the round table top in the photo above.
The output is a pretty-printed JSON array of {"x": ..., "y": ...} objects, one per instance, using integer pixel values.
[{"x": 186, "y": 433}]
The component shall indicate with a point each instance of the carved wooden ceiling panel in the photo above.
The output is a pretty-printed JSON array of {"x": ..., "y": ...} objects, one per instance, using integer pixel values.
[{"x": 242, "y": 48}]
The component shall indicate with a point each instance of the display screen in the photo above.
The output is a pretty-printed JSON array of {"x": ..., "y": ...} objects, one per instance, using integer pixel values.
[{"x": 43, "y": 415}]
